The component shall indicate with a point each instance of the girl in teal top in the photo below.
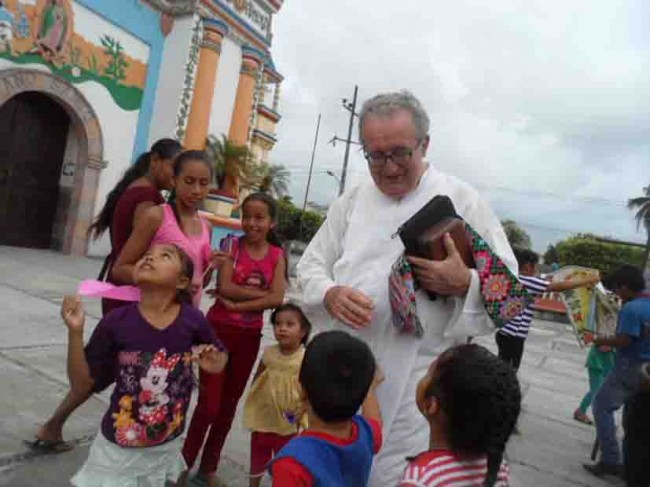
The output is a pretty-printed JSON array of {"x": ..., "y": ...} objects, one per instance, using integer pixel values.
[{"x": 599, "y": 362}]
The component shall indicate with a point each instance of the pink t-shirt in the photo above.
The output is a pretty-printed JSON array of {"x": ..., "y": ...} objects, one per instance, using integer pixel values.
[
  {"x": 250, "y": 273},
  {"x": 197, "y": 247}
]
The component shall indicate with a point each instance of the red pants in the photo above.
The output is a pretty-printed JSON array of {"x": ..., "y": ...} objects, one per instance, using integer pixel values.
[
  {"x": 264, "y": 446},
  {"x": 219, "y": 395}
]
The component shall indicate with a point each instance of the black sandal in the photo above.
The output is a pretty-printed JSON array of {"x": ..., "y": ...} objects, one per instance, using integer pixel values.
[{"x": 49, "y": 447}]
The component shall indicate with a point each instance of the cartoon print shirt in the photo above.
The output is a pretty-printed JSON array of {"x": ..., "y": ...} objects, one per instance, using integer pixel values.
[
  {"x": 152, "y": 371},
  {"x": 250, "y": 273}
]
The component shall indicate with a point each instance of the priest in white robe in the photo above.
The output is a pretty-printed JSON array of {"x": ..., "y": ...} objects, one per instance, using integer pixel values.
[{"x": 344, "y": 271}]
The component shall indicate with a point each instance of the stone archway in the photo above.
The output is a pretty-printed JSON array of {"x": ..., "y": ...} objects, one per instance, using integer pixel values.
[{"x": 75, "y": 214}]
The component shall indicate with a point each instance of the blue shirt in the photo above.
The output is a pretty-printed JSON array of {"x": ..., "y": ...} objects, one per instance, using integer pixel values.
[
  {"x": 634, "y": 321},
  {"x": 330, "y": 464}
]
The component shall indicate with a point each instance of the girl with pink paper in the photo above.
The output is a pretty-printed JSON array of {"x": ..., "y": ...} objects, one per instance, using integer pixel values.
[{"x": 147, "y": 350}]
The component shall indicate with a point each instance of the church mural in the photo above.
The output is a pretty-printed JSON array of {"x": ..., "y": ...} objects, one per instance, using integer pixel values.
[{"x": 75, "y": 44}]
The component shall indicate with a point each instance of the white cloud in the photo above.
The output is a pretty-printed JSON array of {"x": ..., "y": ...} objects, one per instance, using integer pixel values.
[{"x": 538, "y": 95}]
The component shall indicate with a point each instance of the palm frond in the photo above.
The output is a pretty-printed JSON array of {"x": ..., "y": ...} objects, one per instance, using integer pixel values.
[{"x": 642, "y": 205}]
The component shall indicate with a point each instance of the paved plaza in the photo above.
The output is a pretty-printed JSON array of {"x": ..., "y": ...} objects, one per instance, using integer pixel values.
[{"x": 549, "y": 452}]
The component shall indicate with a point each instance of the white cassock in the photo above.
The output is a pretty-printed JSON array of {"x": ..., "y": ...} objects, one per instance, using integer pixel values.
[{"x": 355, "y": 248}]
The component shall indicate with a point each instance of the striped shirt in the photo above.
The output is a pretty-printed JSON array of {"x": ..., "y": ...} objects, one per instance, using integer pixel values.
[
  {"x": 520, "y": 325},
  {"x": 442, "y": 468}
]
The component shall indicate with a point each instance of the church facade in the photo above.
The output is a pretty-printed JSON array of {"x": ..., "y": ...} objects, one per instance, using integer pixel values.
[{"x": 87, "y": 85}]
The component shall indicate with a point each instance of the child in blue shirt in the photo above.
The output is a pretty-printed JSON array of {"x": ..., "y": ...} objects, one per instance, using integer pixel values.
[
  {"x": 338, "y": 375},
  {"x": 632, "y": 343}
]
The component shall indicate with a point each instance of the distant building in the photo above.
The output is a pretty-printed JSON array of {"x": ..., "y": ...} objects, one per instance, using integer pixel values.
[{"x": 87, "y": 85}]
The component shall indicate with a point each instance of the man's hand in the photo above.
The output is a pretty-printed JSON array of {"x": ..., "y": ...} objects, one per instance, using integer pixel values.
[
  {"x": 449, "y": 277},
  {"x": 73, "y": 314},
  {"x": 350, "y": 306}
]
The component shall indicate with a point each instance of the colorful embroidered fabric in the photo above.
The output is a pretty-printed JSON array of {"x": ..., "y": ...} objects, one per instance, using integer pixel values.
[
  {"x": 401, "y": 293},
  {"x": 504, "y": 297}
]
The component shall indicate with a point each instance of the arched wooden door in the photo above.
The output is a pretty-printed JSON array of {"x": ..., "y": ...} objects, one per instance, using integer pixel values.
[{"x": 33, "y": 136}]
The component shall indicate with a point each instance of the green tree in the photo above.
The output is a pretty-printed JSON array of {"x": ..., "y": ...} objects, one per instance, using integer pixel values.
[
  {"x": 275, "y": 180},
  {"x": 587, "y": 251},
  {"x": 232, "y": 162},
  {"x": 642, "y": 206},
  {"x": 551, "y": 256},
  {"x": 290, "y": 226},
  {"x": 517, "y": 236}
]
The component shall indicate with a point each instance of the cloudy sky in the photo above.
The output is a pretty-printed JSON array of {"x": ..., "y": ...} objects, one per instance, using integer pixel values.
[{"x": 544, "y": 105}]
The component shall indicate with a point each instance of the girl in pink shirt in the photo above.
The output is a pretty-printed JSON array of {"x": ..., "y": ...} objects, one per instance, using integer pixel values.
[
  {"x": 251, "y": 280},
  {"x": 177, "y": 222}
]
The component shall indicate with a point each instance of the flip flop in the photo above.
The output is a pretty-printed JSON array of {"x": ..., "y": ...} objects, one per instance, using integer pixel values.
[
  {"x": 582, "y": 418},
  {"x": 49, "y": 447}
]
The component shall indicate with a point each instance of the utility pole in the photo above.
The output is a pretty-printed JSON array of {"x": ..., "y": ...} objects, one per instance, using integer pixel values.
[
  {"x": 350, "y": 107},
  {"x": 311, "y": 164},
  {"x": 311, "y": 168}
]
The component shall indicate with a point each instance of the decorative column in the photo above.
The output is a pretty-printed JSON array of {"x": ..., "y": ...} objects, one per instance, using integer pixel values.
[
  {"x": 206, "y": 77},
  {"x": 241, "y": 116},
  {"x": 239, "y": 125}
]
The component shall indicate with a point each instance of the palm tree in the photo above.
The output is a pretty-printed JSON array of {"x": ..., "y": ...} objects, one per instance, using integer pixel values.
[
  {"x": 642, "y": 217},
  {"x": 233, "y": 163},
  {"x": 275, "y": 180}
]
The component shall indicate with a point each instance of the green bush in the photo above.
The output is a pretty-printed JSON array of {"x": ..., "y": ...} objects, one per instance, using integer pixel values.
[
  {"x": 289, "y": 225},
  {"x": 311, "y": 222},
  {"x": 586, "y": 251}
]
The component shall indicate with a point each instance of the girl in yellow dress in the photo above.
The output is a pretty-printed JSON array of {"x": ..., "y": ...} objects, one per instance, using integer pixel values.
[{"x": 273, "y": 406}]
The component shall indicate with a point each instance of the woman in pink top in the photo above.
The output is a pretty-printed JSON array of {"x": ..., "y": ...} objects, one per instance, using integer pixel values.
[
  {"x": 251, "y": 280},
  {"x": 178, "y": 223}
]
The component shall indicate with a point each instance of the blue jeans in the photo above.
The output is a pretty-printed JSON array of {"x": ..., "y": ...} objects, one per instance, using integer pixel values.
[{"x": 619, "y": 386}]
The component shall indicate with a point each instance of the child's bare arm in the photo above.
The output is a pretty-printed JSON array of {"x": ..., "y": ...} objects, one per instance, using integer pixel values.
[
  {"x": 260, "y": 368},
  {"x": 231, "y": 291},
  {"x": 78, "y": 370},
  {"x": 573, "y": 284},
  {"x": 272, "y": 298},
  {"x": 137, "y": 244},
  {"x": 370, "y": 408}
]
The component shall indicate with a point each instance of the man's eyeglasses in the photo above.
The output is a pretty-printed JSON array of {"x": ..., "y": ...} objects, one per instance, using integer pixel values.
[{"x": 399, "y": 155}]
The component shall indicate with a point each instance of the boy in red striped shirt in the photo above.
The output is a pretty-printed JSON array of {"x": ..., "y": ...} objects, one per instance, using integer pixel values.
[{"x": 471, "y": 400}]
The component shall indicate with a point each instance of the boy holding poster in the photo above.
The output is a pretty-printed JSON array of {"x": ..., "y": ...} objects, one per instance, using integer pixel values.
[
  {"x": 632, "y": 344},
  {"x": 511, "y": 337}
]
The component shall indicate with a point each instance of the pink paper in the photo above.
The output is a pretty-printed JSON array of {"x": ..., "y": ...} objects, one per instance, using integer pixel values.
[{"x": 100, "y": 289}]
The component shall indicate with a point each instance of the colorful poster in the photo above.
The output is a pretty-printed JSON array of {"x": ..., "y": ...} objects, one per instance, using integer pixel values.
[
  {"x": 581, "y": 302},
  {"x": 607, "y": 306},
  {"x": 75, "y": 44}
]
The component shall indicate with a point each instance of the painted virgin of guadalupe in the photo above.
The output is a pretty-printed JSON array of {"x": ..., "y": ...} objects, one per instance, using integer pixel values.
[{"x": 53, "y": 29}]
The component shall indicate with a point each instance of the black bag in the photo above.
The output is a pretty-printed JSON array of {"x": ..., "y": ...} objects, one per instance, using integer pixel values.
[{"x": 422, "y": 234}]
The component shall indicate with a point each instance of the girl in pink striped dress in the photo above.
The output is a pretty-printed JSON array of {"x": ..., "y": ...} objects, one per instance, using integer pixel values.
[
  {"x": 472, "y": 400},
  {"x": 177, "y": 222}
]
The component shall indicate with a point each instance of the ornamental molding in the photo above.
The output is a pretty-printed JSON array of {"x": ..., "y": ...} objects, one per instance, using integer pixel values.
[{"x": 174, "y": 7}]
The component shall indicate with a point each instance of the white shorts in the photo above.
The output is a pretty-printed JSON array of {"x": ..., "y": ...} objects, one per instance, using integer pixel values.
[{"x": 110, "y": 465}]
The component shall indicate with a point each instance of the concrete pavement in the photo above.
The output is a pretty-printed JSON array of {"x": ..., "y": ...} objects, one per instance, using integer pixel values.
[{"x": 549, "y": 452}]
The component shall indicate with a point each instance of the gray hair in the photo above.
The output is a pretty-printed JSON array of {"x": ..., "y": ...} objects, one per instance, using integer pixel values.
[{"x": 386, "y": 104}]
